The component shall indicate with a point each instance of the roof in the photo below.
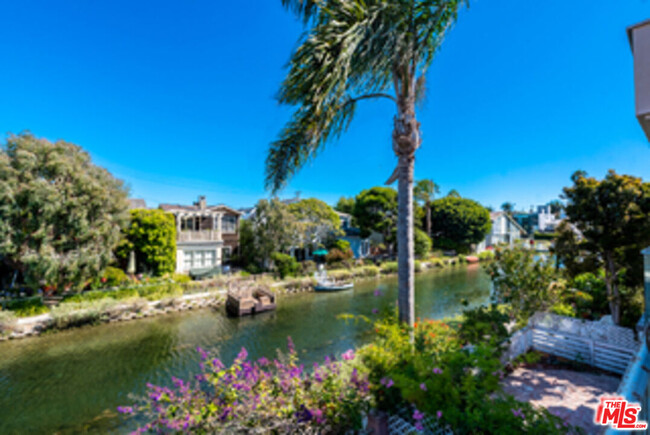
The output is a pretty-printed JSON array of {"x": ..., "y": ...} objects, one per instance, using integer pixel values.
[
  {"x": 495, "y": 214},
  {"x": 137, "y": 203},
  {"x": 633, "y": 28},
  {"x": 178, "y": 207}
]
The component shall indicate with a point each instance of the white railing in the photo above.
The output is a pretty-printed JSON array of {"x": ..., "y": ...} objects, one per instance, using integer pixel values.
[
  {"x": 199, "y": 236},
  {"x": 599, "y": 344}
]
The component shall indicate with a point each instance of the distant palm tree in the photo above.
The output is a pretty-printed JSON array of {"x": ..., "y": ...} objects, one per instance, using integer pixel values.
[
  {"x": 425, "y": 191},
  {"x": 508, "y": 207},
  {"x": 355, "y": 50}
]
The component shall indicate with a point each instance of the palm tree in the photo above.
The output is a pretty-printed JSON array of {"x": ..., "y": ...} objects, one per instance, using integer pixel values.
[
  {"x": 425, "y": 191},
  {"x": 508, "y": 207},
  {"x": 355, "y": 50}
]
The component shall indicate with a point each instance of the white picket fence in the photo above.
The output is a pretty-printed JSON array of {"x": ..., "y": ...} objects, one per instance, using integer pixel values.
[{"x": 599, "y": 344}]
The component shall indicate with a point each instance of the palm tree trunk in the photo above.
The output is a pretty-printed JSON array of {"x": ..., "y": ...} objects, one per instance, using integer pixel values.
[
  {"x": 405, "y": 251},
  {"x": 428, "y": 205}
]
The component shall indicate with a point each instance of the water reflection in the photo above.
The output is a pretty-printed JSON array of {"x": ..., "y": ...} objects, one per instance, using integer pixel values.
[{"x": 73, "y": 380}]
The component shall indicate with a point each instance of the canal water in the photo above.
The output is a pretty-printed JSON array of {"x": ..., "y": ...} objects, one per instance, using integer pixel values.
[{"x": 72, "y": 381}]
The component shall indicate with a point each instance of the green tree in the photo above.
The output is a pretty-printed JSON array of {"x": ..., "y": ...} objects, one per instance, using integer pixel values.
[
  {"x": 352, "y": 51},
  {"x": 60, "y": 215},
  {"x": 375, "y": 209},
  {"x": 422, "y": 243},
  {"x": 151, "y": 235},
  {"x": 453, "y": 193},
  {"x": 345, "y": 205},
  {"x": 527, "y": 284},
  {"x": 457, "y": 223},
  {"x": 556, "y": 206},
  {"x": 274, "y": 230},
  {"x": 315, "y": 222},
  {"x": 612, "y": 216},
  {"x": 425, "y": 191}
]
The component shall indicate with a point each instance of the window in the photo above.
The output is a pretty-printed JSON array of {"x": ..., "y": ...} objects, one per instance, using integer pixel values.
[
  {"x": 227, "y": 252},
  {"x": 229, "y": 224},
  {"x": 209, "y": 258},
  {"x": 187, "y": 260}
]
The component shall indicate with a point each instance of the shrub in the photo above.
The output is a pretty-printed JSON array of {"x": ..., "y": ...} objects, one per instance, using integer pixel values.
[
  {"x": 27, "y": 307},
  {"x": 368, "y": 271},
  {"x": 152, "y": 236},
  {"x": 417, "y": 266},
  {"x": 340, "y": 244},
  {"x": 79, "y": 313},
  {"x": 335, "y": 256},
  {"x": 389, "y": 267},
  {"x": 160, "y": 291},
  {"x": 285, "y": 265},
  {"x": 422, "y": 243},
  {"x": 525, "y": 283},
  {"x": 111, "y": 277},
  {"x": 307, "y": 268},
  {"x": 486, "y": 256},
  {"x": 484, "y": 324},
  {"x": 181, "y": 278},
  {"x": 261, "y": 396},
  {"x": 342, "y": 274},
  {"x": 544, "y": 236}
]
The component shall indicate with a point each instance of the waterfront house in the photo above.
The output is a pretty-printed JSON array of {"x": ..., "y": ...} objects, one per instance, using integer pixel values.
[
  {"x": 206, "y": 235},
  {"x": 360, "y": 246},
  {"x": 505, "y": 231}
]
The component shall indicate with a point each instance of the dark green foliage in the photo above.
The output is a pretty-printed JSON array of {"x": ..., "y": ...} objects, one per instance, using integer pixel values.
[
  {"x": 111, "y": 277},
  {"x": 27, "y": 307},
  {"x": 422, "y": 242},
  {"x": 307, "y": 268},
  {"x": 484, "y": 324},
  {"x": 457, "y": 223},
  {"x": 152, "y": 236},
  {"x": 60, "y": 215},
  {"x": 612, "y": 218},
  {"x": 545, "y": 236},
  {"x": 285, "y": 265},
  {"x": 376, "y": 210},
  {"x": 345, "y": 205}
]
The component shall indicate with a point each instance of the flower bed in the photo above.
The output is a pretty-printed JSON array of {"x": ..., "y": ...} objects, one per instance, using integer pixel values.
[{"x": 446, "y": 379}]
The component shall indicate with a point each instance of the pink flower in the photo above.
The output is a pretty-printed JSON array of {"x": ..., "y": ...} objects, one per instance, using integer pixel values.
[
  {"x": 387, "y": 382},
  {"x": 439, "y": 414},
  {"x": 377, "y": 292},
  {"x": 437, "y": 370},
  {"x": 423, "y": 386},
  {"x": 349, "y": 355},
  {"x": 417, "y": 415}
]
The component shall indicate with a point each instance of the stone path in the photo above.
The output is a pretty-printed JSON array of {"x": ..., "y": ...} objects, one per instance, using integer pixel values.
[{"x": 573, "y": 396}]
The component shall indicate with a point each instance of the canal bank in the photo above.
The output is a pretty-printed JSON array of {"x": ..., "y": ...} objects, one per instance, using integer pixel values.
[{"x": 74, "y": 380}]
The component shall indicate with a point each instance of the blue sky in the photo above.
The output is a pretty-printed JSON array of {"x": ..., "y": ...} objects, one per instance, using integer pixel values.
[{"x": 177, "y": 98}]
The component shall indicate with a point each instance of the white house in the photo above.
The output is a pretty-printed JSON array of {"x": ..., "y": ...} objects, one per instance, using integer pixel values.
[
  {"x": 505, "y": 230},
  {"x": 206, "y": 235},
  {"x": 546, "y": 221},
  {"x": 360, "y": 247}
]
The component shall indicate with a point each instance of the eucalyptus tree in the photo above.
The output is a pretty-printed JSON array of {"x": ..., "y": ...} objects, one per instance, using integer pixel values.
[
  {"x": 355, "y": 50},
  {"x": 425, "y": 191}
]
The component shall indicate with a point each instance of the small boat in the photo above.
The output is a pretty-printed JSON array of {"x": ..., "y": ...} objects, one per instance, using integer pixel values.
[
  {"x": 471, "y": 259},
  {"x": 245, "y": 302},
  {"x": 328, "y": 286}
]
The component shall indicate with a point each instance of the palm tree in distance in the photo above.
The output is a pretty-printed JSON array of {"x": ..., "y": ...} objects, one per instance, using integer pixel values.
[
  {"x": 508, "y": 207},
  {"x": 425, "y": 191},
  {"x": 355, "y": 50}
]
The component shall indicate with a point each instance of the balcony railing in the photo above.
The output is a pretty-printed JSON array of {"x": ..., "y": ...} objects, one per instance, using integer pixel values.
[{"x": 199, "y": 236}]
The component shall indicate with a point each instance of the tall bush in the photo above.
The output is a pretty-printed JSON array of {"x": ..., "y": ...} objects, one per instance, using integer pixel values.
[{"x": 152, "y": 236}]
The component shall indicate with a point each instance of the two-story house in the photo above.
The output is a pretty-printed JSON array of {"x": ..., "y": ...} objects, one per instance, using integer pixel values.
[
  {"x": 505, "y": 230},
  {"x": 206, "y": 235}
]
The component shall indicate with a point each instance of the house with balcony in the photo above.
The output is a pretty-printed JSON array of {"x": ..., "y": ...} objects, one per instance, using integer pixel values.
[{"x": 206, "y": 235}]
